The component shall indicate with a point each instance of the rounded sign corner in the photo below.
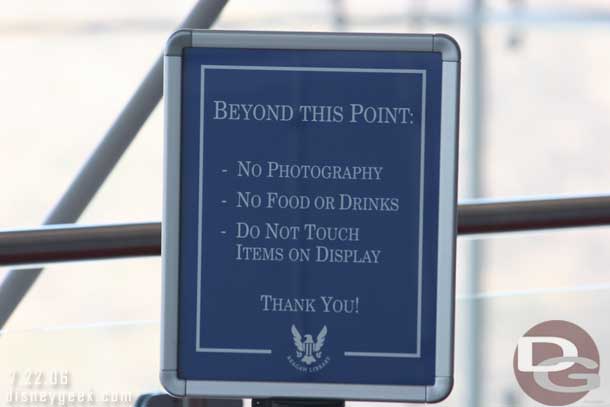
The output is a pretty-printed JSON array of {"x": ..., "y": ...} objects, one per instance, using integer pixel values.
[
  {"x": 177, "y": 42},
  {"x": 172, "y": 383},
  {"x": 440, "y": 390},
  {"x": 448, "y": 47}
]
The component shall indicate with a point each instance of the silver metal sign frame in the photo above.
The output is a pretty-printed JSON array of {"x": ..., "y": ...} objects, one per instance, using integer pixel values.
[{"x": 450, "y": 53}]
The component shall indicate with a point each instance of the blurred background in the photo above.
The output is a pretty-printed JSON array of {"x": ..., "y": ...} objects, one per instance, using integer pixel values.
[{"x": 535, "y": 120}]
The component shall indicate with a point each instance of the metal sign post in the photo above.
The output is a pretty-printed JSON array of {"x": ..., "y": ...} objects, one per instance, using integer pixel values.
[{"x": 310, "y": 215}]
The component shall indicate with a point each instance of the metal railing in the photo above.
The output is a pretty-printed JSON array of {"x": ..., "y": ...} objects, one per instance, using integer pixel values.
[
  {"x": 82, "y": 242},
  {"x": 104, "y": 158}
]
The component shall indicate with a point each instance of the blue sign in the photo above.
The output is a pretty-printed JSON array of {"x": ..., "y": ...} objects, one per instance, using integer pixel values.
[{"x": 309, "y": 216}]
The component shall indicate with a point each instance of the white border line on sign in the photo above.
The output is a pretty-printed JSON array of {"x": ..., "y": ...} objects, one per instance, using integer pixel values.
[{"x": 417, "y": 354}]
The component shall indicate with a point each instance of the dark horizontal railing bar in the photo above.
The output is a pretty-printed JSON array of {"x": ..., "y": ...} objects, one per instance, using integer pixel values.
[
  {"x": 478, "y": 217},
  {"x": 75, "y": 242}
]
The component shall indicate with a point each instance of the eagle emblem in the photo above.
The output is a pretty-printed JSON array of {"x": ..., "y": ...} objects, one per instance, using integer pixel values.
[{"x": 308, "y": 351}]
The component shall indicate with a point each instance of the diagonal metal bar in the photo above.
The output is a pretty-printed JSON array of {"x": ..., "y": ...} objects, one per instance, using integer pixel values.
[
  {"x": 104, "y": 158},
  {"x": 77, "y": 242}
]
